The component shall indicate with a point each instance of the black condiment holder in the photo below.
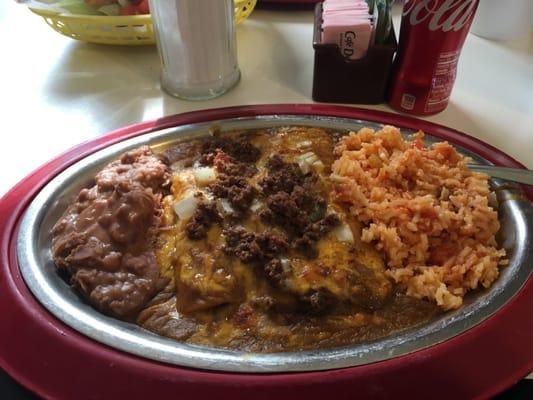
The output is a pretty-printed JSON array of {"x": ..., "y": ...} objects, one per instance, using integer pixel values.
[{"x": 340, "y": 80}]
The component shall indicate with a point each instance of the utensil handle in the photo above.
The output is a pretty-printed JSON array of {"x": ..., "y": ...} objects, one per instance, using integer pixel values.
[{"x": 511, "y": 174}]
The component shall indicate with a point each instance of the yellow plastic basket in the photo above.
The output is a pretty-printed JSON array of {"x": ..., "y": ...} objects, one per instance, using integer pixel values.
[{"x": 124, "y": 30}]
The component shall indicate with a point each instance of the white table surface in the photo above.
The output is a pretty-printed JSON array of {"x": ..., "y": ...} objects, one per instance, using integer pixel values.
[{"x": 56, "y": 92}]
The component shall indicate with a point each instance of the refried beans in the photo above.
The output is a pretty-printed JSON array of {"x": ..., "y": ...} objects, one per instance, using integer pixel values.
[{"x": 105, "y": 239}]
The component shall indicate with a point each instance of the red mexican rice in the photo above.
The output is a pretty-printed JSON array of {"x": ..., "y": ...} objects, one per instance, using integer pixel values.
[{"x": 424, "y": 209}]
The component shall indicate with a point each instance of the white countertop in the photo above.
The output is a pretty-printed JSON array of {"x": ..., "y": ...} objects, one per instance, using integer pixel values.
[{"x": 57, "y": 92}]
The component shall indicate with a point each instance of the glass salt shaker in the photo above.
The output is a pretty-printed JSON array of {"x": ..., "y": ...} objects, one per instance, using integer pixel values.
[{"x": 197, "y": 45}]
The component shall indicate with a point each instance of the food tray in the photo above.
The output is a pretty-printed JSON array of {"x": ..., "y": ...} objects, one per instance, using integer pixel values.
[
  {"x": 455, "y": 354},
  {"x": 122, "y": 30}
]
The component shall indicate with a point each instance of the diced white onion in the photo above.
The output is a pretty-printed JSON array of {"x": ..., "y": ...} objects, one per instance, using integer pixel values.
[
  {"x": 208, "y": 196},
  {"x": 285, "y": 264},
  {"x": 310, "y": 161},
  {"x": 304, "y": 144},
  {"x": 306, "y": 161},
  {"x": 344, "y": 233},
  {"x": 184, "y": 208},
  {"x": 304, "y": 166},
  {"x": 204, "y": 175},
  {"x": 225, "y": 207},
  {"x": 309, "y": 156},
  {"x": 256, "y": 205}
]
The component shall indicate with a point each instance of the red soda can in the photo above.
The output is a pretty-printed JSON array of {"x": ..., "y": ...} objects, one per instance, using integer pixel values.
[{"x": 432, "y": 34}]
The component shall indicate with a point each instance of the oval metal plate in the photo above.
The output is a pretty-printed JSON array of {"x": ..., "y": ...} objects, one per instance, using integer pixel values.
[{"x": 39, "y": 273}]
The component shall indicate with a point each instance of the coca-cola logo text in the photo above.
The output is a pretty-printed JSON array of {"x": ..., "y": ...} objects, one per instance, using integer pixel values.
[{"x": 444, "y": 15}]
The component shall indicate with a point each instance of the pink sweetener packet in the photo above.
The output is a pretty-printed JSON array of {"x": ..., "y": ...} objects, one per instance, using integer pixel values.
[
  {"x": 350, "y": 3},
  {"x": 345, "y": 8},
  {"x": 346, "y": 21},
  {"x": 332, "y": 14},
  {"x": 333, "y": 2},
  {"x": 346, "y": 14},
  {"x": 330, "y": 6},
  {"x": 343, "y": 2},
  {"x": 352, "y": 36}
]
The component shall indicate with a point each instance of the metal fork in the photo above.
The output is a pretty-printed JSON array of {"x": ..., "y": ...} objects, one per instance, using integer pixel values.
[{"x": 524, "y": 176}]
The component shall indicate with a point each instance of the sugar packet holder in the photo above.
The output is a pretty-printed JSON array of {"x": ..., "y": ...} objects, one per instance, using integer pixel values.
[{"x": 337, "y": 79}]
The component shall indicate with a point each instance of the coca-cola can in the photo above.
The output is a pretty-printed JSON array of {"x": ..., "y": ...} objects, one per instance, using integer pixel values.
[{"x": 432, "y": 34}]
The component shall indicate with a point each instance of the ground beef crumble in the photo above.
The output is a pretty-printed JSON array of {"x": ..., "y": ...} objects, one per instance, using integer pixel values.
[
  {"x": 225, "y": 164},
  {"x": 261, "y": 250},
  {"x": 292, "y": 205},
  {"x": 238, "y": 148},
  {"x": 234, "y": 160},
  {"x": 274, "y": 272},
  {"x": 283, "y": 177},
  {"x": 252, "y": 247},
  {"x": 236, "y": 189},
  {"x": 294, "y": 211},
  {"x": 204, "y": 217},
  {"x": 313, "y": 232}
]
